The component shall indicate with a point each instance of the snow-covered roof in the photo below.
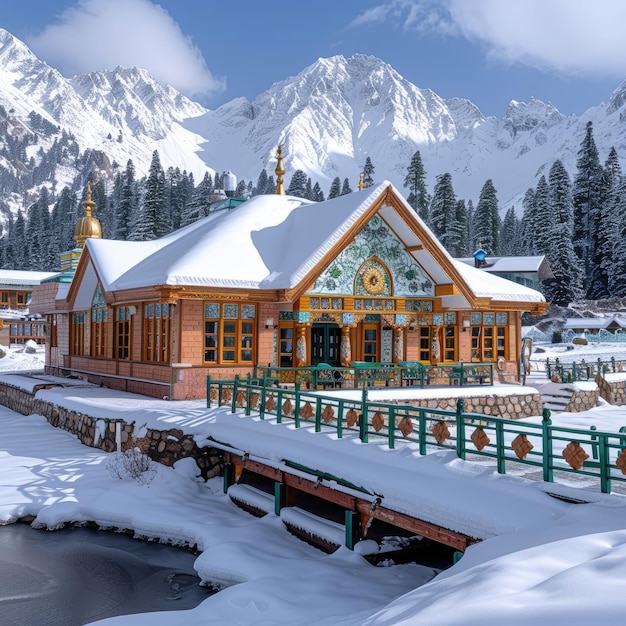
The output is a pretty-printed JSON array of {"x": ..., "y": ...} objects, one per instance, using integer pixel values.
[
  {"x": 274, "y": 242},
  {"x": 594, "y": 322},
  {"x": 514, "y": 264},
  {"x": 23, "y": 278},
  {"x": 485, "y": 285}
]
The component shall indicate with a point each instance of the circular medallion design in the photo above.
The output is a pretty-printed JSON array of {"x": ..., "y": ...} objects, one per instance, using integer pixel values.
[{"x": 373, "y": 281}]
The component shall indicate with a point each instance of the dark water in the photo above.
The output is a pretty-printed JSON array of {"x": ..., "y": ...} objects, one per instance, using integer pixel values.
[{"x": 78, "y": 575}]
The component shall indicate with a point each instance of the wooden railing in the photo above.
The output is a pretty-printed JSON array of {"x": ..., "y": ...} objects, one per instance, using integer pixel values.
[{"x": 600, "y": 455}]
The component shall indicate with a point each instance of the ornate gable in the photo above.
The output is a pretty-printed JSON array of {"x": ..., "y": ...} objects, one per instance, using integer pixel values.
[{"x": 376, "y": 262}]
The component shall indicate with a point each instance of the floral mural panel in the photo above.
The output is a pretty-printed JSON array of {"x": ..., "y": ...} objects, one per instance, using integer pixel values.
[{"x": 376, "y": 244}]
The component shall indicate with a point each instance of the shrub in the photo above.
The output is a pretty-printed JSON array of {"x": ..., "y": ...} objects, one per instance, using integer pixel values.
[{"x": 133, "y": 464}]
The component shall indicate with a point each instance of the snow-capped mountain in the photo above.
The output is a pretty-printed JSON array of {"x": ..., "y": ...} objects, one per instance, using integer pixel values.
[
  {"x": 124, "y": 113},
  {"x": 329, "y": 118}
]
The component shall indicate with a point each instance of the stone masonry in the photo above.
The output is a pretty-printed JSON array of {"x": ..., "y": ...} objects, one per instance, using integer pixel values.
[{"x": 164, "y": 446}]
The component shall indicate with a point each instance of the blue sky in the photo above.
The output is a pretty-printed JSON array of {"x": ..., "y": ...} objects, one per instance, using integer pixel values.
[{"x": 569, "y": 52}]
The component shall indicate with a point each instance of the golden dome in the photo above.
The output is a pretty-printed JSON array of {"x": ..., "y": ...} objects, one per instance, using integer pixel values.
[{"x": 87, "y": 226}]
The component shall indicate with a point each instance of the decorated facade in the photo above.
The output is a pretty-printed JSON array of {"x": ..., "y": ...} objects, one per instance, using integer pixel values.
[{"x": 277, "y": 281}]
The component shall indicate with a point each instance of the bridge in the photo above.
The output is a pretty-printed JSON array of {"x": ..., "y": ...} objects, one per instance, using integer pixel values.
[{"x": 536, "y": 447}]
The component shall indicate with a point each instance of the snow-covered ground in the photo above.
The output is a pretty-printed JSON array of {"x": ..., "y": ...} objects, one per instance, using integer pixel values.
[{"x": 541, "y": 561}]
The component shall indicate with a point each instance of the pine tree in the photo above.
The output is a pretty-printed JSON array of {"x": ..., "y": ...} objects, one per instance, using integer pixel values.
[
  {"x": 566, "y": 286},
  {"x": 487, "y": 220},
  {"x": 261, "y": 184},
  {"x": 415, "y": 181},
  {"x": 587, "y": 198},
  {"x": 509, "y": 233},
  {"x": 240, "y": 191},
  {"x": 527, "y": 224},
  {"x": 153, "y": 220},
  {"x": 335, "y": 188},
  {"x": 368, "y": 173},
  {"x": 298, "y": 185},
  {"x": 617, "y": 271},
  {"x": 271, "y": 185},
  {"x": 345, "y": 187},
  {"x": 128, "y": 205},
  {"x": 443, "y": 208},
  {"x": 459, "y": 238},
  {"x": 318, "y": 194},
  {"x": 543, "y": 219},
  {"x": 605, "y": 257}
]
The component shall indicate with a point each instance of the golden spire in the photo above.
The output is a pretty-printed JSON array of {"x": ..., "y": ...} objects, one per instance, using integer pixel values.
[
  {"x": 280, "y": 172},
  {"x": 361, "y": 185},
  {"x": 87, "y": 226}
]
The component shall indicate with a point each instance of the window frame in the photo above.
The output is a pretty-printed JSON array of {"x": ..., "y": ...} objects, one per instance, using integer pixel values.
[
  {"x": 77, "y": 333},
  {"x": 123, "y": 333},
  {"x": 157, "y": 322},
  {"x": 230, "y": 333}
]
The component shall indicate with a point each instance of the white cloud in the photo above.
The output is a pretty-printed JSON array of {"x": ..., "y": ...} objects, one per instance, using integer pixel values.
[
  {"x": 102, "y": 34},
  {"x": 569, "y": 36}
]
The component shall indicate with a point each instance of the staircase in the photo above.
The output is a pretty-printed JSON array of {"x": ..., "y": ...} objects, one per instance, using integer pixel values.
[{"x": 554, "y": 396}]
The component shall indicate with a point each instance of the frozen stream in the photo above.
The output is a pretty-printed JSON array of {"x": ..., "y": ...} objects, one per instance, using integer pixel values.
[{"x": 78, "y": 575}]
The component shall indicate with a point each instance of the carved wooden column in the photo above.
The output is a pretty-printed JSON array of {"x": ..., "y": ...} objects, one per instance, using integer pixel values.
[
  {"x": 398, "y": 343},
  {"x": 301, "y": 351},
  {"x": 346, "y": 347}
]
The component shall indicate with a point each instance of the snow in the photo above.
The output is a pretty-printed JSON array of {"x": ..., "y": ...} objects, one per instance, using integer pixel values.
[
  {"x": 252, "y": 229},
  {"x": 542, "y": 560}
]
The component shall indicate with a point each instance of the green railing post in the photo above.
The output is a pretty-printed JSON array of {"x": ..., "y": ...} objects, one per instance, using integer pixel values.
[
  {"x": 280, "y": 497},
  {"x": 501, "y": 452},
  {"x": 353, "y": 528},
  {"x": 247, "y": 410},
  {"x": 605, "y": 465},
  {"x": 340, "y": 412},
  {"x": 296, "y": 408},
  {"x": 318, "y": 415},
  {"x": 594, "y": 445},
  {"x": 263, "y": 401},
  {"x": 546, "y": 436},
  {"x": 233, "y": 407},
  {"x": 208, "y": 392},
  {"x": 460, "y": 429},
  {"x": 363, "y": 423},
  {"x": 229, "y": 476},
  {"x": 422, "y": 431},
  {"x": 391, "y": 428}
]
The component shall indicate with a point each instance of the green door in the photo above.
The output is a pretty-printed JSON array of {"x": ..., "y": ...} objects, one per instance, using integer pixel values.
[{"x": 325, "y": 344}]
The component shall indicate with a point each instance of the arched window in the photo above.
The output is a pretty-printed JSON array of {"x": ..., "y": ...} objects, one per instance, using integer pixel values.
[{"x": 99, "y": 319}]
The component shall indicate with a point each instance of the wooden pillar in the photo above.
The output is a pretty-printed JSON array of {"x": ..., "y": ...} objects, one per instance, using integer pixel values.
[
  {"x": 398, "y": 343},
  {"x": 301, "y": 347},
  {"x": 346, "y": 347}
]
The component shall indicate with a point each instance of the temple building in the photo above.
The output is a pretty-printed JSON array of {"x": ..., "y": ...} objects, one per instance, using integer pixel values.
[{"x": 276, "y": 280}]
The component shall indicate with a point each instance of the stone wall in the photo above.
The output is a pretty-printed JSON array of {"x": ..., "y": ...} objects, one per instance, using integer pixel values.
[
  {"x": 164, "y": 446},
  {"x": 612, "y": 392},
  {"x": 583, "y": 401},
  {"x": 507, "y": 406}
]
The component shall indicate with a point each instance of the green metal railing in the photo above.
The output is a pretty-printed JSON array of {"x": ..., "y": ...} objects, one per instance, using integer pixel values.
[
  {"x": 568, "y": 372},
  {"x": 365, "y": 374},
  {"x": 585, "y": 452}
]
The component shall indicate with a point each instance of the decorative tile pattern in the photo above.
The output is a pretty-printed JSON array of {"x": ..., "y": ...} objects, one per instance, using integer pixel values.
[{"x": 375, "y": 241}]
